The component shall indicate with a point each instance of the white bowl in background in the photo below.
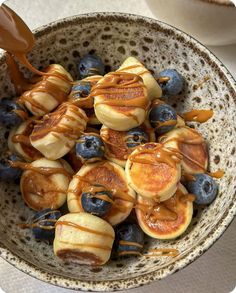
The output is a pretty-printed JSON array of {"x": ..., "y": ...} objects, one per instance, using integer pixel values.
[{"x": 211, "y": 23}]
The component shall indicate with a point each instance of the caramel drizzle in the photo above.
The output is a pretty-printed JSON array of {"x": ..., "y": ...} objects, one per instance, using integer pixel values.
[
  {"x": 201, "y": 82},
  {"x": 94, "y": 190},
  {"x": 164, "y": 123},
  {"x": 21, "y": 138},
  {"x": 121, "y": 81},
  {"x": 198, "y": 115},
  {"x": 130, "y": 243},
  {"x": 92, "y": 245},
  {"x": 118, "y": 194},
  {"x": 160, "y": 154},
  {"x": 162, "y": 252},
  {"x": 82, "y": 228},
  {"x": 124, "y": 69},
  {"x": 67, "y": 130},
  {"x": 46, "y": 85},
  {"x": 161, "y": 211},
  {"x": 172, "y": 252},
  {"x": 22, "y": 114},
  {"x": 47, "y": 171}
]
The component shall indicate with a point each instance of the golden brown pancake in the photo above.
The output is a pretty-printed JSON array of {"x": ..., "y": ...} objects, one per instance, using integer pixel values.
[
  {"x": 19, "y": 142},
  {"x": 112, "y": 177},
  {"x": 191, "y": 145},
  {"x": 168, "y": 219},
  {"x": 153, "y": 171},
  {"x": 120, "y": 100},
  {"x": 83, "y": 239},
  {"x": 115, "y": 144}
]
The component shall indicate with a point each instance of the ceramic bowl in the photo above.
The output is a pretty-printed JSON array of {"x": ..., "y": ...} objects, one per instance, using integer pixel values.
[
  {"x": 115, "y": 37},
  {"x": 209, "y": 21}
]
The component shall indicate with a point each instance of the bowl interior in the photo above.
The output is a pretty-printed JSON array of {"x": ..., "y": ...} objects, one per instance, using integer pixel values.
[{"x": 115, "y": 37}]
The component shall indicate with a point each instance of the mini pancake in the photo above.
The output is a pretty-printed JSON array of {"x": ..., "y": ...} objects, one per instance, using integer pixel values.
[
  {"x": 19, "y": 142},
  {"x": 120, "y": 100},
  {"x": 168, "y": 219},
  {"x": 82, "y": 238},
  {"x": 191, "y": 145},
  {"x": 132, "y": 65},
  {"x": 153, "y": 171},
  {"x": 57, "y": 133},
  {"x": 44, "y": 183},
  {"x": 48, "y": 92},
  {"x": 116, "y": 149},
  {"x": 112, "y": 177}
]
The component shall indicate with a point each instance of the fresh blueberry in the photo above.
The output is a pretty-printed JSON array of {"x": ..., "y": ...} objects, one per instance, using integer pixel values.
[
  {"x": 129, "y": 239},
  {"x": 7, "y": 173},
  {"x": 172, "y": 86},
  {"x": 203, "y": 187},
  {"x": 43, "y": 224},
  {"x": 91, "y": 65},
  {"x": 92, "y": 204},
  {"x": 163, "y": 118},
  {"x": 8, "y": 112},
  {"x": 80, "y": 89},
  {"x": 135, "y": 137},
  {"x": 89, "y": 147}
]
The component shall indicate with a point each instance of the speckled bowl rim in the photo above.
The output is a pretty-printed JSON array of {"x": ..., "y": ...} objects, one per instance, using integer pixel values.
[{"x": 219, "y": 228}]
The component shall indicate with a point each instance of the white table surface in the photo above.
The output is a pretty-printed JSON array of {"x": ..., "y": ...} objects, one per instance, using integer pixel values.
[{"x": 214, "y": 271}]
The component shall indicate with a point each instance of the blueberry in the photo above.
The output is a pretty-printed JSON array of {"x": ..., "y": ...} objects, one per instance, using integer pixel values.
[
  {"x": 163, "y": 118},
  {"x": 203, "y": 187},
  {"x": 43, "y": 224},
  {"x": 135, "y": 137},
  {"x": 95, "y": 205},
  {"x": 129, "y": 239},
  {"x": 8, "y": 116},
  {"x": 89, "y": 147},
  {"x": 7, "y": 173},
  {"x": 91, "y": 65},
  {"x": 80, "y": 89},
  {"x": 174, "y": 85}
]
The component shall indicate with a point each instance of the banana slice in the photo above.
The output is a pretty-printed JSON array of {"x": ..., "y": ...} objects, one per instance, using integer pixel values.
[
  {"x": 58, "y": 132},
  {"x": 153, "y": 171},
  {"x": 191, "y": 145},
  {"x": 120, "y": 100},
  {"x": 132, "y": 65},
  {"x": 19, "y": 142},
  {"x": 44, "y": 183},
  {"x": 83, "y": 239},
  {"x": 48, "y": 92},
  {"x": 166, "y": 220},
  {"x": 110, "y": 176},
  {"x": 116, "y": 149}
]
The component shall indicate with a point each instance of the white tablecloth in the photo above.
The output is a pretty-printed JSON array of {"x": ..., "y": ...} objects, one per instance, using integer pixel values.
[{"x": 215, "y": 271}]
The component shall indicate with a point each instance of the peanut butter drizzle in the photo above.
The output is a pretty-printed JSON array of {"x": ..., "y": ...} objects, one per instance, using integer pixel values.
[
  {"x": 162, "y": 252},
  {"x": 122, "y": 82},
  {"x": 82, "y": 228},
  {"x": 22, "y": 114},
  {"x": 22, "y": 139},
  {"x": 118, "y": 194},
  {"x": 163, "y": 79},
  {"x": 47, "y": 171},
  {"x": 92, "y": 245},
  {"x": 94, "y": 190},
  {"x": 20, "y": 83},
  {"x": 47, "y": 126},
  {"x": 201, "y": 82},
  {"x": 134, "y": 67},
  {"x": 165, "y": 123},
  {"x": 198, "y": 115},
  {"x": 123, "y": 242},
  {"x": 159, "y": 153},
  {"x": 162, "y": 212}
]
